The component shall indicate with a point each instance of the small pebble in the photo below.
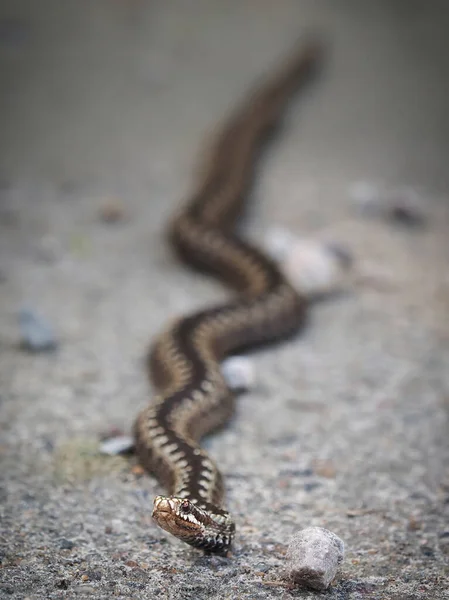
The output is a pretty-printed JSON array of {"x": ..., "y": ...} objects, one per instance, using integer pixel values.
[
  {"x": 117, "y": 526},
  {"x": 414, "y": 524},
  {"x": 112, "y": 211},
  {"x": 312, "y": 485},
  {"x": 278, "y": 243},
  {"x": 66, "y": 544},
  {"x": 238, "y": 372},
  {"x": 313, "y": 557},
  {"x": 325, "y": 468},
  {"x": 405, "y": 213},
  {"x": 36, "y": 333},
  {"x": 62, "y": 584},
  {"x": 401, "y": 205},
  {"x": 341, "y": 253},
  {"x": 314, "y": 268},
  {"x": 262, "y": 568},
  {"x": 84, "y": 589},
  {"x": 94, "y": 575},
  {"x": 138, "y": 470},
  {"x": 427, "y": 551},
  {"x": 132, "y": 564},
  {"x": 121, "y": 444}
]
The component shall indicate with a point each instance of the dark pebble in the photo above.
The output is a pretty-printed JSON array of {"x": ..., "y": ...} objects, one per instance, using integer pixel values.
[
  {"x": 48, "y": 445},
  {"x": 94, "y": 575},
  {"x": 308, "y": 487},
  {"x": 66, "y": 544},
  {"x": 27, "y": 497},
  {"x": 262, "y": 568},
  {"x": 243, "y": 476},
  {"x": 296, "y": 472},
  {"x": 443, "y": 535},
  {"x": 62, "y": 584},
  {"x": 36, "y": 333},
  {"x": 285, "y": 440},
  {"x": 406, "y": 215},
  {"x": 427, "y": 551},
  {"x": 341, "y": 253}
]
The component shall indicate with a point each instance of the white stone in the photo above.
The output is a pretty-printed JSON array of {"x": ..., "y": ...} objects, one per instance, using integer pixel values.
[
  {"x": 313, "y": 269},
  {"x": 311, "y": 266},
  {"x": 313, "y": 557},
  {"x": 278, "y": 243},
  {"x": 117, "y": 445},
  {"x": 238, "y": 372}
]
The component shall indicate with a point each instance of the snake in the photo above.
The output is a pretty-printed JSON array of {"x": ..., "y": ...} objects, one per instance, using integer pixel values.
[{"x": 192, "y": 398}]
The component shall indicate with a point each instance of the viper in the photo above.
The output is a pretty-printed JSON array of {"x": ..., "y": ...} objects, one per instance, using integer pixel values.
[{"x": 192, "y": 396}]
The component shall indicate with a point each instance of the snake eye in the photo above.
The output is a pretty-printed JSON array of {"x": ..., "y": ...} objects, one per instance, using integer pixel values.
[{"x": 185, "y": 507}]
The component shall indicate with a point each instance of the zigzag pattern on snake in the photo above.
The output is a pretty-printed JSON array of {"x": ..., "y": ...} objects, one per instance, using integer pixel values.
[{"x": 192, "y": 396}]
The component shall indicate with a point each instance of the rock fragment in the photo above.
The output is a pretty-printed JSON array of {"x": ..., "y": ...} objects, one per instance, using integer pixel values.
[
  {"x": 314, "y": 268},
  {"x": 313, "y": 557},
  {"x": 401, "y": 206},
  {"x": 239, "y": 373},
  {"x": 36, "y": 333},
  {"x": 112, "y": 211},
  {"x": 120, "y": 444}
]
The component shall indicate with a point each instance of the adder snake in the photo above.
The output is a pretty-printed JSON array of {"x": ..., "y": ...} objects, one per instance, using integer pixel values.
[{"x": 192, "y": 396}]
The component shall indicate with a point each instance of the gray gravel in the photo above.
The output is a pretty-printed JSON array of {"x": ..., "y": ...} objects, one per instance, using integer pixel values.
[{"x": 109, "y": 102}]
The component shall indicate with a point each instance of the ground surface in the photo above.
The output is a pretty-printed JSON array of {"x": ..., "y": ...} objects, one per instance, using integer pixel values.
[{"x": 108, "y": 102}]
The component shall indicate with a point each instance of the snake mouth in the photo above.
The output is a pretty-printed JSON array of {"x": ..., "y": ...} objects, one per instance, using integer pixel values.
[
  {"x": 169, "y": 513},
  {"x": 164, "y": 513},
  {"x": 162, "y": 506}
]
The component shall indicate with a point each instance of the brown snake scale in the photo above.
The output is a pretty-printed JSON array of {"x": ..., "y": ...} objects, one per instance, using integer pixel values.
[{"x": 192, "y": 396}]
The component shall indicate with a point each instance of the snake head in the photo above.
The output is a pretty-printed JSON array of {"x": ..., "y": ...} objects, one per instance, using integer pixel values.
[{"x": 197, "y": 526}]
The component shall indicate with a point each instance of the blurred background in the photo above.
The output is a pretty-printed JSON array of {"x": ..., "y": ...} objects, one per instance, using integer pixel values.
[
  {"x": 91, "y": 90},
  {"x": 107, "y": 108}
]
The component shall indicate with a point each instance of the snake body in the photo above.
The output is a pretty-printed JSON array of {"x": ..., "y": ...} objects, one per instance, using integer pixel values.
[{"x": 192, "y": 396}]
